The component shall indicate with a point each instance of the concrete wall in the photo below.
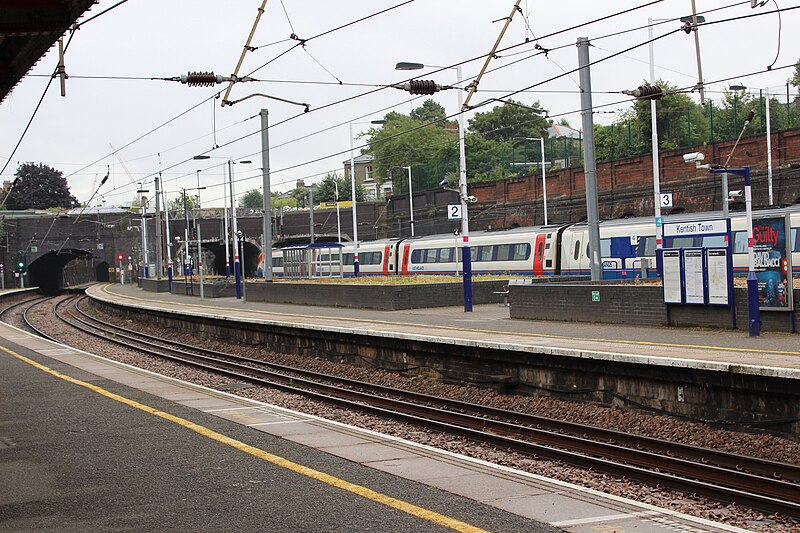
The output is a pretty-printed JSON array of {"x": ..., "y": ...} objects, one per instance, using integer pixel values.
[
  {"x": 633, "y": 304},
  {"x": 384, "y": 297}
]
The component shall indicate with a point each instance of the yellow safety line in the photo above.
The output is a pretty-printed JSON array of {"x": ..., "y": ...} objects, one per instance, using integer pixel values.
[
  {"x": 328, "y": 479},
  {"x": 456, "y": 328}
]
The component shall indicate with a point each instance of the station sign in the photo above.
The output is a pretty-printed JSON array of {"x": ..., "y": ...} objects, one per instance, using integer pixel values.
[
  {"x": 666, "y": 199},
  {"x": 454, "y": 212},
  {"x": 699, "y": 227}
]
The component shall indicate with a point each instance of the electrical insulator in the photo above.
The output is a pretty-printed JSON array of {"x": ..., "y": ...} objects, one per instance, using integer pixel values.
[
  {"x": 649, "y": 91},
  {"x": 422, "y": 87},
  {"x": 201, "y": 79}
]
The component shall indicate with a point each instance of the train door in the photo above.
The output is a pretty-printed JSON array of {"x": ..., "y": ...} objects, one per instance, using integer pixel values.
[
  {"x": 406, "y": 257},
  {"x": 538, "y": 254},
  {"x": 387, "y": 259}
]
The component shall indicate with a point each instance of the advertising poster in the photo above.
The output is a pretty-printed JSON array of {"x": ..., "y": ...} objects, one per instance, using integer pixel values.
[{"x": 773, "y": 263}]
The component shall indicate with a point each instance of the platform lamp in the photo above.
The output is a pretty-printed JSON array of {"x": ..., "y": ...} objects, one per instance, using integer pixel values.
[
  {"x": 144, "y": 229},
  {"x": 237, "y": 266},
  {"x": 353, "y": 193},
  {"x": 466, "y": 253}
]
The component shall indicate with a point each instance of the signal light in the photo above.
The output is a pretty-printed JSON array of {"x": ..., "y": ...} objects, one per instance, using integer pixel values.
[{"x": 120, "y": 257}]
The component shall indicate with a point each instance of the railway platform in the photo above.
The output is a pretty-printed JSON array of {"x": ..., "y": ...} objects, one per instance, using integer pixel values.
[
  {"x": 92, "y": 444},
  {"x": 772, "y": 354}
]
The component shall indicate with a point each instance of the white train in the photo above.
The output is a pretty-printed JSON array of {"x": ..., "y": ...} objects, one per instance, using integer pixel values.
[{"x": 561, "y": 249}]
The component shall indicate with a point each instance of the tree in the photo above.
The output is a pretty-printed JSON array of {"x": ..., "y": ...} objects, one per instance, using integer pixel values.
[
  {"x": 429, "y": 111},
  {"x": 38, "y": 186},
  {"x": 432, "y": 150},
  {"x": 176, "y": 204},
  {"x": 505, "y": 122},
  {"x": 326, "y": 190},
  {"x": 252, "y": 199}
]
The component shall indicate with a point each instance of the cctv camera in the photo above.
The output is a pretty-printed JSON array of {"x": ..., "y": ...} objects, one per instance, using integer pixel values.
[
  {"x": 693, "y": 157},
  {"x": 471, "y": 199},
  {"x": 735, "y": 193},
  {"x": 444, "y": 183}
]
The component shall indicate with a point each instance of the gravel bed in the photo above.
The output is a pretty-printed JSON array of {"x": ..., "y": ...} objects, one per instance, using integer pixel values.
[{"x": 661, "y": 427}]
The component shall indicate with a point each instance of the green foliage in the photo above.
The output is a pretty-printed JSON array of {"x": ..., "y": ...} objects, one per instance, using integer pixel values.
[
  {"x": 278, "y": 203},
  {"x": 505, "y": 122},
  {"x": 176, "y": 204},
  {"x": 326, "y": 190},
  {"x": 252, "y": 199},
  {"x": 39, "y": 186},
  {"x": 431, "y": 150},
  {"x": 429, "y": 111}
]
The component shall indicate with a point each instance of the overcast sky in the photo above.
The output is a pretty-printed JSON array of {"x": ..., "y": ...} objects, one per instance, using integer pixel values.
[{"x": 151, "y": 38}]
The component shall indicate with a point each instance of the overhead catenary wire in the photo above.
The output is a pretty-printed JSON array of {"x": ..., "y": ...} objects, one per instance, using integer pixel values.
[{"x": 335, "y": 102}]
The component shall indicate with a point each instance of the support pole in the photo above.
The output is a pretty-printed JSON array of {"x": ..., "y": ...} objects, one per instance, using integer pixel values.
[
  {"x": 654, "y": 143},
  {"x": 159, "y": 250},
  {"x": 266, "y": 246},
  {"x": 353, "y": 199},
  {"x": 237, "y": 266},
  {"x": 466, "y": 253},
  {"x": 753, "y": 309},
  {"x": 589, "y": 163},
  {"x": 769, "y": 152},
  {"x": 169, "y": 249}
]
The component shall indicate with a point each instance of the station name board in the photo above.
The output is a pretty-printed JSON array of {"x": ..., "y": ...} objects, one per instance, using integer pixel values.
[{"x": 675, "y": 229}]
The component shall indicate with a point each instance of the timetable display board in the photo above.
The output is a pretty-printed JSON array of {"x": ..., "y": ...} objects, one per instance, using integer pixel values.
[
  {"x": 671, "y": 281},
  {"x": 718, "y": 267},
  {"x": 698, "y": 274},
  {"x": 694, "y": 279}
]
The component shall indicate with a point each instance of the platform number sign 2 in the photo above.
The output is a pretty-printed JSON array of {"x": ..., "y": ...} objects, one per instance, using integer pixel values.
[{"x": 454, "y": 212}]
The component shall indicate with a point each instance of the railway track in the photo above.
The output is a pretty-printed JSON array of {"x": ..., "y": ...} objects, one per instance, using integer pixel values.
[{"x": 761, "y": 484}]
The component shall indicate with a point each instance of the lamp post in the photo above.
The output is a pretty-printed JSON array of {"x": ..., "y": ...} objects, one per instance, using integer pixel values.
[
  {"x": 144, "y": 229},
  {"x": 769, "y": 137},
  {"x": 544, "y": 173},
  {"x": 338, "y": 219},
  {"x": 353, "y": 193},
  {"x": 466, "y": 253},
  {"x": 410, "y": 201},
  {"x": 231, "y": 237}
]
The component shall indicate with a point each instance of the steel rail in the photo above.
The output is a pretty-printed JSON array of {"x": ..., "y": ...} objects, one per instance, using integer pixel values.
[{"x": 721, "y": 484}]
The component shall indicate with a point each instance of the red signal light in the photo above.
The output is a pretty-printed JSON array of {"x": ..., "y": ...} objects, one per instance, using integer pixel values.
[{"x": 120, "y": 257}]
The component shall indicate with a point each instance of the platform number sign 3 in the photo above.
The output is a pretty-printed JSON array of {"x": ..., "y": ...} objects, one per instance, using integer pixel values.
[
  {"x": 666, "y": 199},
  {"x": 454, "y": 212}
]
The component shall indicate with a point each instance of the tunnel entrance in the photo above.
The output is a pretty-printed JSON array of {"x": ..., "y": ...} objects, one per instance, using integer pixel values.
[
  {"x": 101, "y": 272},
  {"x": 216, "y": 264},
  {"x": 55, "y": 270}
]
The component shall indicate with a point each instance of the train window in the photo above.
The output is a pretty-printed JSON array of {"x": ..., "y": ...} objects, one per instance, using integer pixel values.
[
  {"x": 415, "y": 256},
  {"x": 277, "y": 262},
  {"x": 740, "y": 242},
  {"x": 522, "y": 252},
  {"x": 715, "y": 240},
  {"x": 485, "y": 253},
  {"x": 539, "y": 252},
  {"x": 647, "y": 246},
  {"x": 795, "y": 232},
  {"x": 605, "y": 248},
  {"x": 348, "y": 259},
  {"x": 447, "y": 255},
  {"x": 430, "y": 255},
  {"x": 682, "y": 242},
  {"x": 504, "y": 252},
  {"x": 577, "y": 250}
]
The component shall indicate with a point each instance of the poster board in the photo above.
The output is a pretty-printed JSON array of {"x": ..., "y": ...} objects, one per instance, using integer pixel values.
[{"x": 773, "y": 262}]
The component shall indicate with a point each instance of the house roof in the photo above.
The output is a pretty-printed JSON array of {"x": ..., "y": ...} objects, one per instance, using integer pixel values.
[
  {"x": 360, "y": 158},
  {"x": 560, "y": 130}
]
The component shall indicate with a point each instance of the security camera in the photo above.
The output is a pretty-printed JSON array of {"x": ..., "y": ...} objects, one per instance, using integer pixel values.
[
  {"x": 735, "y": 193},
  {"x": 471, "y": 199},
  {"x": 444, "y": 183},
  {"x": 693, "y": 157}
]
